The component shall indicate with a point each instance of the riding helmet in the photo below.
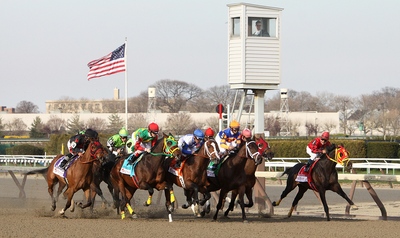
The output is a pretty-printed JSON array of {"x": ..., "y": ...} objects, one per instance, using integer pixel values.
[
  {"x": 246, "y": 133},
  {"x": 325, "y": 135},
  {"x": 91, "y": 133},
  {"x": 209, "y": 132},
  {"x": 153, "y": 127},
  {"x": 123, "y": 132},
  {"x": 234, "y": 124},
  {"x": 199, "y": 134}
]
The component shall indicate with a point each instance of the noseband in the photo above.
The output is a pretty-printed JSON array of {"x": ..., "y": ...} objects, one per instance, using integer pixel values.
[{"x": 207, "y": 151}]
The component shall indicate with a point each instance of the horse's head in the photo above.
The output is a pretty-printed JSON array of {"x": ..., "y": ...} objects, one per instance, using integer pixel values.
[
  {"x": 251, "y": 151},
  {"x": 171, "y": 146},
  {"x": 339, "y": 154},
  {"x": 210, "y": 149},
  {"x": 264, "y": 148},
  {"x": 96, "y": 150}
]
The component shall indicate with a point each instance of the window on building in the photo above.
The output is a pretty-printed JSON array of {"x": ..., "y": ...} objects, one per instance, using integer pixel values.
[
  {"x": 236, "y": 26},
  {"x": 264, "y": 27}
]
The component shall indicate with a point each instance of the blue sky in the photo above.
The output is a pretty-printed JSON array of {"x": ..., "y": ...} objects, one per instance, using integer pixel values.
[{"x": 344, "y": 47}]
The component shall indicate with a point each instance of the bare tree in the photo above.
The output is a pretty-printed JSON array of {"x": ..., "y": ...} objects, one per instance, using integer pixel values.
[
  {"x": 97, "y": 124},
  {"x": 180, "y": 123},
  {"x": 272, "y": 125},
  {"x": 137, "y": 121},
  {"x": 55, "y": 125},
  {"x": 138, "y": 104},
  {"x": 172, "y": 95},
  {"x": 26, "y": 107},
  {"x": 16, "y": 126}
]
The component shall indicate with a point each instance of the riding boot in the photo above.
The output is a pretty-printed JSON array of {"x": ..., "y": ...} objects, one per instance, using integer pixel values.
[
  {"x": 132, "y": 159},
  {"x": 309, "y": 163},
  {"x": 178, "y": 163},
  {"x": 65, "y": 161}
]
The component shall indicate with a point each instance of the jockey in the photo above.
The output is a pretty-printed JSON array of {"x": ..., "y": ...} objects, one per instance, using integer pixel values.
[
  {"x": 78, "y": 144},
  {"x": 143, "y": 139},
  {"x": 209, "y": 133},
  {"x": 316, "y": 147},
  {"x": 190, "y": 144},
  {"x": 116, "y": 143},
  {"x": 229, "y": 138}
]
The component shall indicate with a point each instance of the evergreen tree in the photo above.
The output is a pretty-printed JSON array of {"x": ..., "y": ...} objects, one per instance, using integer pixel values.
[{"x": 37, "y": 129}]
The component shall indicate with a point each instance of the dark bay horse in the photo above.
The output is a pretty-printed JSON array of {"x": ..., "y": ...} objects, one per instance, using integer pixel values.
[
  {"x": 250, "y": 170},
  {"x": 230, "y": 174},
  {"x": 192, "y": 175},
  {"x": 323, "y": 175},
  {"x": 149, "y": 174},
  {"x": 78, "y": 176}
]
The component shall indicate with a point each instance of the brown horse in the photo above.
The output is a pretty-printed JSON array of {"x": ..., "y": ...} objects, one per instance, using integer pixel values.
[
  {"x": 230, "y": 174},
  {"x": 250, "y": 170},
  {"x": 322, "y": 176},
  {"x": 192, "y": 176},
  {"x": 149, "y": 173},
  {"x": 78, "y": 176}
]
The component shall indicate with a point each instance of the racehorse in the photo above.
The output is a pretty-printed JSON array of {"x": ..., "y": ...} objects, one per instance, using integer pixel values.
[
  {"x": 230, "y": 174},
  {"x": 192, "y": 176},
  {"x": 78, "y": 176},
  {"x": 322, "y": 176},
  {"x": 250, "y": 170},
  {"x": 149, "y": 172}
]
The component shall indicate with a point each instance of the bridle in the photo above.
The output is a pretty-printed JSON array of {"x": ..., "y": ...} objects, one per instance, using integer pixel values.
[
  {"x": 253, "y": 156},
  {"x": 341, "y": 156}
]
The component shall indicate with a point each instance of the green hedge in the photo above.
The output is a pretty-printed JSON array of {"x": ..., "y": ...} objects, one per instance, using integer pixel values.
[{"x": 25, "y": 150}]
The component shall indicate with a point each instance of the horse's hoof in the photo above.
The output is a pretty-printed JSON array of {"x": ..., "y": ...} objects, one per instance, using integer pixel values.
[
  {"x": 145, "y": 204},
  {"x": 53, "y": 208},
  {"x": 202, "y": 214},
  {"x": 134, "y": 216},
  {"x": 274, "y": 204},
  {"x": 185, "y": 206},
  {"x": 61, "y": 212},
  {"x": 354, "y": 207}
]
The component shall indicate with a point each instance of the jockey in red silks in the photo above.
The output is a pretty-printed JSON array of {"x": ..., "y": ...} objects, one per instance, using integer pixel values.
[{"x": 316, "y": 147}]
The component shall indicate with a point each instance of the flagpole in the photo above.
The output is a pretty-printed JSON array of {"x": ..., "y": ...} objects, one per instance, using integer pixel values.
[{"x": 126, "y": 83}]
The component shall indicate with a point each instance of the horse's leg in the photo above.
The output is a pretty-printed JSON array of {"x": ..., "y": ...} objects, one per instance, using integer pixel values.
[
  {"x": 167, "y": 192},
  {"x": 249, "y": 195},
  {"x": 189, "y": 197},
  {"x": 323, "y": 200},
  {"x": 150, "y": 198},
  {"x": 241, "y": 202},
  {"x": 88, "y": 195},
  {"x": 232, "y": 203},
  {"x": 69, "y": 193},
  {"x": 221, "y": 198},
  {"x": 290, "y": 185},
  {"x": 299, "y": 195},
  {"x": 338, "y": 189}
]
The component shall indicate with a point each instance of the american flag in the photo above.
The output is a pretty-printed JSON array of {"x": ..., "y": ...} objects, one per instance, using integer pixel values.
[{"x": 112, "y": 63}]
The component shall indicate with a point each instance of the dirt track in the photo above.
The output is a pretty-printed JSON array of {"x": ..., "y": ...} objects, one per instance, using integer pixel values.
[{"x": 31, "y": 217}]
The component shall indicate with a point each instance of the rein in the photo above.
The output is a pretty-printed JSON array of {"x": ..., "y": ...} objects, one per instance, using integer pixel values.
[
  {"x": 169, "y": 150},
  {"x": 92, "y": 156},
  {"x": 341, "y": 156}
]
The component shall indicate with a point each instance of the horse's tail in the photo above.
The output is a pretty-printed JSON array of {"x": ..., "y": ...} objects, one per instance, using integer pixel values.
[
  {"x": 39, "y": 171},
  {"x": 287, "y": 171}
]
